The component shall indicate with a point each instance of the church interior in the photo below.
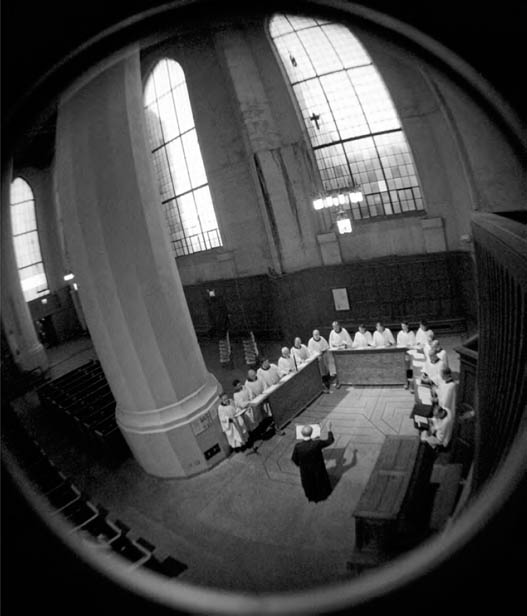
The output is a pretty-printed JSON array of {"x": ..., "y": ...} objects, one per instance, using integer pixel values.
[{"x": 192, "y": 204}]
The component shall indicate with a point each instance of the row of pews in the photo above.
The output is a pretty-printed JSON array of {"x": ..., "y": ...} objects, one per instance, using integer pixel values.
[
  {"x": 84, "y": 397},
  {"x": 94, "y": 524}
]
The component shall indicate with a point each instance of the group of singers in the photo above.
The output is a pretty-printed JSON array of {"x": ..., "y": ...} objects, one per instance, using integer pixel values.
[{"x": 238, "y": 417}]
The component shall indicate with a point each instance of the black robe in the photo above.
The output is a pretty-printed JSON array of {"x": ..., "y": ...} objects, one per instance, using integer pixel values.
[{"x": 308, "y": 456}]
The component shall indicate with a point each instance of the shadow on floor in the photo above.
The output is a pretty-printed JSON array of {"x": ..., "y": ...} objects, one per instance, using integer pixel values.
[{"x": 336, "y": 472}]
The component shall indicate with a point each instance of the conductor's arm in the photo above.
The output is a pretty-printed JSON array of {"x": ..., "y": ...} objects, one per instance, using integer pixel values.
[{"x": 330, "y": 439}]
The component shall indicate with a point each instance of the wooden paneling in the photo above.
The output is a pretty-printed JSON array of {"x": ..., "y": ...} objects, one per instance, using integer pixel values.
[
  {"x": 432, "y": 286},
  {"x": 249, "y": 303},
  {"x": 501, "y": 262},
  {"x": 287, "y": 399},
  {"x": 60, "y": 311},
  {"x": 295, "y": 394},
  {"x": 468, "y": 364},
  {"x": 371, "y": 366}
]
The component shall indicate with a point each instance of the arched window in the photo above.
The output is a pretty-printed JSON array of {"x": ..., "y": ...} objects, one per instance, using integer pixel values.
[
  {"x": 25, "y": 239},
  {"x": 177, "y": 160},
  {"x": 352, "y": 123}
]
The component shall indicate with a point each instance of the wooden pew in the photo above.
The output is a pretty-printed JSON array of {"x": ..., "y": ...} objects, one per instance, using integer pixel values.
[
  {"x": 390, "y": 515},
  {"x": 370, "y": 366},
  {"x": 293, "y": 393}
]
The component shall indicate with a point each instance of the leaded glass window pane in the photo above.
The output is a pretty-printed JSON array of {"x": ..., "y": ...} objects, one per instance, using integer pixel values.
[
  {"x": 25, "y": 240},
  {"x": 182, "y": 180},
  {"x": 349, "y": 116}
]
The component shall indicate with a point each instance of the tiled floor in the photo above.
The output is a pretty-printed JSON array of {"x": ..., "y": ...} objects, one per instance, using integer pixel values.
[{"x": 246, "y": 524}]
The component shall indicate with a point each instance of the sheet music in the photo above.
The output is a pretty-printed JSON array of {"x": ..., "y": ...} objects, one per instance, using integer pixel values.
[
  {"x": 420, "y": 420},
  {"x": 316, "y": 431},
  {"x": 424, "y": 394}
]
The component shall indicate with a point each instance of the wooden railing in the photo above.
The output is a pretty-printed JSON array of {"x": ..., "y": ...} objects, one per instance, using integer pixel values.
[{"x": 501, "y": 264}]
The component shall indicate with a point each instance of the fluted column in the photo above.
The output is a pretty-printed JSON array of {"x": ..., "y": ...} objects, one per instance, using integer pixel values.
[
  {"x": 129, "y": 286},
  {"x": 28, "y": 353}
]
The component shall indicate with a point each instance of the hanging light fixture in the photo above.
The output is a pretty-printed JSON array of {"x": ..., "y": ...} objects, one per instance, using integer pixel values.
[
  {"x": 355, "y": 195},
  {"x": 338, "y": 198}
]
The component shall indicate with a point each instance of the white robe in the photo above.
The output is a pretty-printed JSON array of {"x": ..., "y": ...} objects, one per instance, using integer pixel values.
[
  {"x": 317, "y": 346},
  {"x": 232, "y": 426},
  {"x": 361, "y": 341},
  {"x": 320, "y": 346},
  {"x": 433, "y": 369},
  {"x": 383, "y": 339},
  {"x": 253, "y": 414},
  {"x": 300, "y": 355},
  {"x": 441, "y": 431},
  {"x": 405, "y": 339},
  {"x": 421, "y": 337},
  {"x": 241, "y": 398},
  {"x": 446, "y": 395},
  {"x": 286, "y": 365},
  {"x": 269, "y": 377},
  {"x": 340, "y": 340},
  {"x": 255, "y": 388},
  {"x": 443, "y": 357}
]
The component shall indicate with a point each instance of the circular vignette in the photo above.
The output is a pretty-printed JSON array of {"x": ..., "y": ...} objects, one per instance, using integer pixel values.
[{"x": 403, "y": 571}]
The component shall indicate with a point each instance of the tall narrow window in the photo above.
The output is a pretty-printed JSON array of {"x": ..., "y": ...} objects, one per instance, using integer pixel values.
[
  {"x": 179, "y": 167},
  {"x": 25, "y": 238},
  {"x": 350, "y": 118}
]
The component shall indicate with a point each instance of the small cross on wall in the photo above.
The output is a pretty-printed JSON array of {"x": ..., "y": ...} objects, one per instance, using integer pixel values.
[{"x": 315, "y": 118}]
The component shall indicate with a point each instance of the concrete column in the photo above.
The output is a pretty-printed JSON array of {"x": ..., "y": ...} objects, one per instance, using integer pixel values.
[
  {"x": 28, "y": 352},
  {"x": 282, "y": 169},
  {"x": 129, "y": 286}
]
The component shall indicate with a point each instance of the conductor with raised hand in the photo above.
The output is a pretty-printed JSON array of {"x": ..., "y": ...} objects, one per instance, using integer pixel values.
[{"x": 308, "y": 456}]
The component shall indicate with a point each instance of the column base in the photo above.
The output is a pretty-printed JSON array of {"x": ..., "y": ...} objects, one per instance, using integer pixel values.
[
  {"x": 179, "y": 440},
  {"x": 32, "y": 359}
]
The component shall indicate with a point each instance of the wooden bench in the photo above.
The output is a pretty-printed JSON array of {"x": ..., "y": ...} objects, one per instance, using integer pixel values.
[
  {"x": 385, "y": 366},
  {"x": 392, "y": 513}
]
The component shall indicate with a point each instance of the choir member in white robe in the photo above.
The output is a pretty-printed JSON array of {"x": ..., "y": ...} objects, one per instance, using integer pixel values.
[
  {"x": 426, "y": 349},
  {"x": 421, "y": 336},
  {"x": 318, "y": 344},
  {"x": 299, "y": 352},
  {"x": 382, "y": 336},
  {"x": 441, "y": 427},
  {"x": 255, "y": 387},
  {"x": 241, "y": 399},
  {"x": 447, "y": 390},
  {"x": 339, "y": 337},
  {"x": 434, "y": 352},
  {"x": 231, "y": 423},
  {"x": 253, "y": 384},
  {"x": 435, "y": 346},
  {"x": 286, "y": 363},
  {"x": 268, "y": 373},
  {"x": 362, "y": 339},
  {"x": 406, "y": 337},
  {"x": 433, "y": 368}
]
